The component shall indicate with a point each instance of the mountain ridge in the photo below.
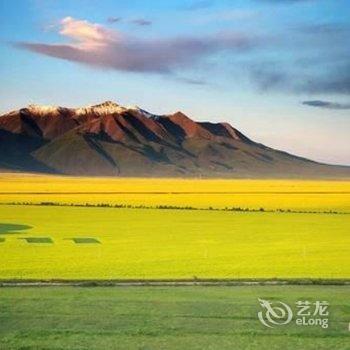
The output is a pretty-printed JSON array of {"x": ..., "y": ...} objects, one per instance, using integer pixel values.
[{"x": 108, "y": 139}]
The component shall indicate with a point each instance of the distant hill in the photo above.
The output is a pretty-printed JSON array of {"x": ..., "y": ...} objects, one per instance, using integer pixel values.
[{"x": 111, "y": 140}]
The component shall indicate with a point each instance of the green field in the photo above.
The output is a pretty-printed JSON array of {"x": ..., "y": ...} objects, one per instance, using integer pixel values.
[
  {"x": 71, "y": 318},
  {"x": 111, "y": 243}
]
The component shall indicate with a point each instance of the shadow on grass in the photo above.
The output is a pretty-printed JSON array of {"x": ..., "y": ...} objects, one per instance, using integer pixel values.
[
  {"x": 84, "y": 240},
  {"x": 6, "y": 229},
  {"x": 37, "y": 239}
]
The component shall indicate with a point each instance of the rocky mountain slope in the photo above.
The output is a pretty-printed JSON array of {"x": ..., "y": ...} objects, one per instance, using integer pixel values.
[{"x": 111, "y": 140}]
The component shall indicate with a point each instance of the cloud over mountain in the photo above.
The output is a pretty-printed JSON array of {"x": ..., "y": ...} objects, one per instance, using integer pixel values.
[
  {"x": 274, "y": 76},
  {"x": 94, "y": 45},
  {"x": 314, "y": 60}
]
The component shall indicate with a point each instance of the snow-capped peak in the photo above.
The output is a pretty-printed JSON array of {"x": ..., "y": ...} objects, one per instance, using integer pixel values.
[
  {"x": 104, "y": 108},
  {"x": 43, "y": 109},
  {"x": 141, "y": 111}
]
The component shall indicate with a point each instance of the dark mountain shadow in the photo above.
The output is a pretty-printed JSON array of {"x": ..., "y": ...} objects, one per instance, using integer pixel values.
[
  {"x": 16, "y": 149},
  {"x": 173, "y": 129},
  {"x": 30, "y": 124},
  {"x": 216, "y": 129},
  {"x": 6, "y": 229},
  {"x": 141, "y": 128}
]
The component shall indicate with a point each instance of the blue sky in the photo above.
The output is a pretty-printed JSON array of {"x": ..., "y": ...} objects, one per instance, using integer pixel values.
[{"x": 278, "y": 70}]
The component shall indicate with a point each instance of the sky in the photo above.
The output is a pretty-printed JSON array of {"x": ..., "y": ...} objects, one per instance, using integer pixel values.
[{"x": 277, "y": 70}]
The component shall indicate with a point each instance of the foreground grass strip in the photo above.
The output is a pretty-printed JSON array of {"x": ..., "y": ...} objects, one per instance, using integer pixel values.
[
  {"x": 196, "y": 318},
  {"x": 2, "y": 239},
  {"x": 37, "y": 239}
]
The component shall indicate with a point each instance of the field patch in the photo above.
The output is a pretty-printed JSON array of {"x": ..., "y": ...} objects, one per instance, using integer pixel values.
[{"x": 176, "y": 244}]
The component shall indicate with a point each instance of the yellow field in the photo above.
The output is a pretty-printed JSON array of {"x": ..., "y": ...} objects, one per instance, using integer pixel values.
[
  {"x": 173, "y": 244},
  {"x": 254, "y": 194}
]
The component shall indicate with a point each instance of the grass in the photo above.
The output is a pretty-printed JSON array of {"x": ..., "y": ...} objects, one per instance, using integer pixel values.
[
  {"x": 164, "y": 318},
  {"x": 174, "y": 244}
]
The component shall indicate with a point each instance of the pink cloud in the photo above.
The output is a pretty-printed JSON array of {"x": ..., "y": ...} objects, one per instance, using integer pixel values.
[{"x": 94, "y": 45}]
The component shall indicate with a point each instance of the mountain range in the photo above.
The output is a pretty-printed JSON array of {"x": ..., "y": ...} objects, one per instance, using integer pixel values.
[{"x": 111, "y": 140}]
